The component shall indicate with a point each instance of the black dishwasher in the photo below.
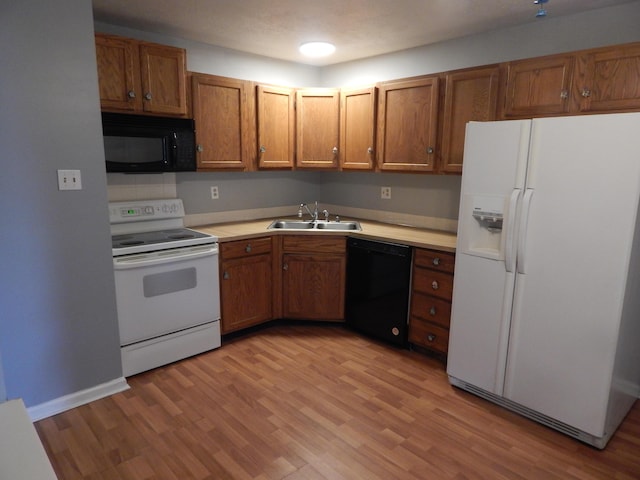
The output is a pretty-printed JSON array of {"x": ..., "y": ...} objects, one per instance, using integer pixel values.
[{"x": 378, "y": 281}]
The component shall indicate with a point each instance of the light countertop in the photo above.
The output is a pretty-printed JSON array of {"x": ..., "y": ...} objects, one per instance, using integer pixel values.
[{"x": 416, "y": 237}]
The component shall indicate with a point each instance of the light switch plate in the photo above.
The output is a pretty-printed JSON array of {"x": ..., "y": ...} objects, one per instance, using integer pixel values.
[{"x": 69, "y": 180}]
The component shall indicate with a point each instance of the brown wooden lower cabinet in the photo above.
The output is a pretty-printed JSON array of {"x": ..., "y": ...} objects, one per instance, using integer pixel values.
[
  {"x": 245, "y": 283},
  {"x": 313, "y": 277},
  {"x": 430, "y": 309}
]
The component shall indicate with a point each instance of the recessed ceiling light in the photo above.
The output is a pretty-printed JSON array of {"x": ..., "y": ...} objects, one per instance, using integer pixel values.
[{"x": 317, "y": 49}]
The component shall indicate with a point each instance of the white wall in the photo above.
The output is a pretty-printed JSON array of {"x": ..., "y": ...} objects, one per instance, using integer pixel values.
[{"x": 58, "y": 321}]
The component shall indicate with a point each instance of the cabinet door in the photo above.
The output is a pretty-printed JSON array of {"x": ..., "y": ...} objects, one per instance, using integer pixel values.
[
  {"x": 357, "y": 128},
  {"x": 609, "y": 79},
  {"x": 317, "y": 127},
  {"x": 245, "y": 292},
  {"x": 539, "y": 86},
  {"x": 276, "y": 126},
  {"x": 221, "y": 114},
  {"x": 470, "y": 95},
  {"x": 163, "y": 72},
  {"x": 407, "y": 124},
  {"x": 313, "y": 286},
  {"x": 118, "y": 73}
]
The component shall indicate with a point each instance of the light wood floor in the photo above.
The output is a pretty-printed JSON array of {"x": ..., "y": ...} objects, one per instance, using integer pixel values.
[{"x": 316, "y": 402}]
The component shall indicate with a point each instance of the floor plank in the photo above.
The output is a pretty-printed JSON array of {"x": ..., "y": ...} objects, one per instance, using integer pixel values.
[{"x": 308, "y": 402}]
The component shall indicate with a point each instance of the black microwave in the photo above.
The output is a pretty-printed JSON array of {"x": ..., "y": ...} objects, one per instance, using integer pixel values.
[{"x": 145, "y": 144}]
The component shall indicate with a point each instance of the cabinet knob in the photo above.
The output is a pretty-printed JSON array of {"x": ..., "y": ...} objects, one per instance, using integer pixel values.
[
  {"x": 131, "y": 94},
  {"x": 285, "y": 267},
  {"x": 247, "y": 248},
  {"x": 430, "y": 150},
  {"x": 226, "y": 275},
  {"x": 431, "y": 337},
  {"x": 435, "y": 285},
  {"x": 335, "y": 150},
  {"x": 370, "y": 150},
  {"x": 436, "y": 261},
  {"x": 199, "y": 148},
  {"x": 585, "y": 92},
  {"x": 564, "y": 94},
  {"x": 263, "y": 149},
  {"x": 147, "y": 96},
  {"x": 432, "y": 311}
]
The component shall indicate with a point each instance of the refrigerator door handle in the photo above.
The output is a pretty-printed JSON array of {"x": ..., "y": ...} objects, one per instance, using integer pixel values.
[
  {"x": 510, "y": 244},
  {"x": 524, "y": 220}
]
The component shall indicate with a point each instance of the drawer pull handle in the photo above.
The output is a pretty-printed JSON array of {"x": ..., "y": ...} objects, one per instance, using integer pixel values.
[
  {"x": 247, "y": 248},
  {"x": 436, "y": 261},
  {"x": 431, "y": 337},
  {"x": 435, "y": 285},
  {"x": 432, "y": 311}
]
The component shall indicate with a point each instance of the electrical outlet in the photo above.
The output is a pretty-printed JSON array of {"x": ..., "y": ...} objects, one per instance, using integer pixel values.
[
  {"x": 69, "y": 180},
  {"x": 385, "y": 193},
  {"x": 215, "y": 194}
]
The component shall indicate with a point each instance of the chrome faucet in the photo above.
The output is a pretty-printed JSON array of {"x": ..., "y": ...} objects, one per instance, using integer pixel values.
[{"x": 314, "y": 214}]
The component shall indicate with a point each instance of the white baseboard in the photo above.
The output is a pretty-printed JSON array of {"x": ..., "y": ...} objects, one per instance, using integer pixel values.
[{"x": 59, "y": 405}]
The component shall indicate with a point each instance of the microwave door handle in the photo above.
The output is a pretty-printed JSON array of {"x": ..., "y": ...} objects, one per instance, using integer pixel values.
[{"x": 174, "y": 148}]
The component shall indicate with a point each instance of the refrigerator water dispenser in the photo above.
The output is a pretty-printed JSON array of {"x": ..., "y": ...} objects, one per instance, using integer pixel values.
[{"x": 483, "y": 216}]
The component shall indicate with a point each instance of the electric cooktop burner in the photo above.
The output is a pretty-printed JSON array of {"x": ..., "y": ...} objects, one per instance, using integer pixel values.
[{"x": 160, "y": 239}]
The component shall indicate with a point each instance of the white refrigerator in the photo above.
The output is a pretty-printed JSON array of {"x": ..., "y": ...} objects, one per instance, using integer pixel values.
[{"x": 545, "y": 317}]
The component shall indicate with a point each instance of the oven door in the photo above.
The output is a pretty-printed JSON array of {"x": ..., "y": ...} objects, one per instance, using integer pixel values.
[{"x": 164, "y": 292}]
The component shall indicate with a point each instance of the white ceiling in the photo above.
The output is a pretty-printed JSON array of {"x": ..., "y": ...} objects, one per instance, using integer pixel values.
[{"x": 358, "y": 28}]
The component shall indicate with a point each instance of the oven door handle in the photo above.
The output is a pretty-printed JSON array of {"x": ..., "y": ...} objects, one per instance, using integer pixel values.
[{"x": 163, "y": 257}]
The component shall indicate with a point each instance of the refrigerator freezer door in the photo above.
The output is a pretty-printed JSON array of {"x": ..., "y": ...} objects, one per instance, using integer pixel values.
[
  {"x": 579, "y": 234},
  {"x": 494, "y": 167},
  {"x": 479, "y": 331}
]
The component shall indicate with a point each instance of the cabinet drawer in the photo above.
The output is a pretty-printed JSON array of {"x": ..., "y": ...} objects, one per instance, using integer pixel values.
[
  {"x": 428, "y": 335},
  {"x": 313, "y": 244},
  {"x": 431, "y": 309},
  {"x": 433, "y": 283},
  {"x": 245, "y": 248},
  {"x": 442, "y": 261}
]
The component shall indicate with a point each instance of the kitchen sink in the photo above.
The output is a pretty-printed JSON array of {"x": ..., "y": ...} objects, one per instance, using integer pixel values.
[
  {"x": 311, "y": 225},
  {"x": 338, "y": 226},
  {"x": 291, "y": 225}
]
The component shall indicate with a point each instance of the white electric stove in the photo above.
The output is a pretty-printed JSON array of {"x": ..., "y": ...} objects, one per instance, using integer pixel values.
[{"x": 167, "y": 286}]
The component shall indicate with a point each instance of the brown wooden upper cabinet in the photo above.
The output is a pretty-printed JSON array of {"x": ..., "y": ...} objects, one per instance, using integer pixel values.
[
  {"x": 470, "y": 95},
  {"x": 140, "y": 77},
  {"x": 276, "y": 126},
  {"x": 539, "y": 86},
  {"x": 608, "y": 79},
  {"x": 357, "y": 128},
  {"x": 597, "y": 80},
  {"x": 317, "y": 127},
  {"x": 407, "y": 124},
  {"x": 223, "y": 114}
]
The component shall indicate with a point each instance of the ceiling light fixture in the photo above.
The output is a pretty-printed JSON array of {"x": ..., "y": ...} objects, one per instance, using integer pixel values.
[
  {"x": 541, "y": 10},
  {"x": 317, "y": 49}
]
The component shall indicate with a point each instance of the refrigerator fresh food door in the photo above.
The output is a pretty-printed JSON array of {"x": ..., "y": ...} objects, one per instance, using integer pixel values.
[
  {"x": 576, "y": 242},
  {"x": 492, "y": 183}
]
